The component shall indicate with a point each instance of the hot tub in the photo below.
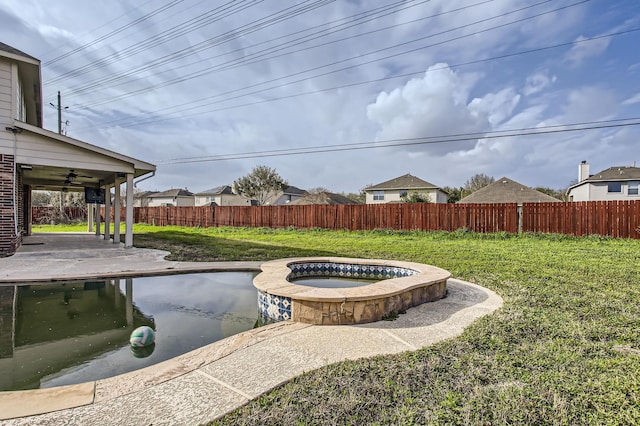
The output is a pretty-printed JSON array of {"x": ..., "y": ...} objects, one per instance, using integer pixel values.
[{"x": 399, "y": 286}]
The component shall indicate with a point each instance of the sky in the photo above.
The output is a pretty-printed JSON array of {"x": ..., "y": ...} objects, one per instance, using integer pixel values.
[{"x": 342, "y": 94}]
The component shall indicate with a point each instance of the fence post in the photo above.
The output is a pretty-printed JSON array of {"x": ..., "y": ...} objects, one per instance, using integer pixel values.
[{"x": 519, "y": 210}]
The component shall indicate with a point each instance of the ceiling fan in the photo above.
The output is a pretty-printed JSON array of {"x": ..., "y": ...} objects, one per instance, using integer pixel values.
[
  {"x": 72, "y": 176},
  {"x": 71, "y": 182}
]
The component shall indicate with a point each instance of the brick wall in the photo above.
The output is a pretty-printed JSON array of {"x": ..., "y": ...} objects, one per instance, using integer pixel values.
[{"x": 9, "y": 242}]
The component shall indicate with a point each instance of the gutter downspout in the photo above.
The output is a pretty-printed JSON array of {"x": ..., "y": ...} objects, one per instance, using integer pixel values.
[{"x": 135, "y": 183}]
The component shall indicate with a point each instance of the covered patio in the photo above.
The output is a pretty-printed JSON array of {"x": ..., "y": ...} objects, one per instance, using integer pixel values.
[{"x": 52, "y": 162}]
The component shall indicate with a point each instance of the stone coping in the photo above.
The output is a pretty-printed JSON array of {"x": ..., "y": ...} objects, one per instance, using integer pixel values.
[{"x": 274, "y": 280}]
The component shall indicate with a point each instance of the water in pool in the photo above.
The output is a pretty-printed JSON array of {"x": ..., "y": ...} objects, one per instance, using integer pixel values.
[
  {"x": 334, "y": 282},
  {"x": 64, "y": 333}
]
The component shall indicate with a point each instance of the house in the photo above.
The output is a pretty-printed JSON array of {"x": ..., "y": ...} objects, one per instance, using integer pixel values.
[
  {"x": 614, "y": 183},
  {"x": 323, "y": 197},
  {"x": 141, "y": 199},
  {"x": 505, "y": 190},
  {"x": 172, "y": 197},
  {"x": 392, "y": 191},
  {"x": 289, "y": 194},
  {"x": 220, "y": 196},
  {"x": 32, "y": 158}
]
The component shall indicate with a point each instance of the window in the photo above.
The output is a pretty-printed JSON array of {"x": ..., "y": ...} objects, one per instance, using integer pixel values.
[
  {"x": 614, "y": 187},
  {"x": 633, "y": 188},
  {"x": 378, "y": 195},
  {"x": 403, "y": 193},
  {"x": 21, "y": 112}
]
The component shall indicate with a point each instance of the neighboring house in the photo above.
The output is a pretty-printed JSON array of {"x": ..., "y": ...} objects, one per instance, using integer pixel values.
[
  {"x": 614, "y": 183},
  {"x": 327, "y": 198},
  {"x": 172, "y": 197},
  {"x": 32, "y": 158},
  {"x": 291, "y": 193},
  {"x": 220, "y": 196},
  {"x": 505, "y": 190},
  {"x": 393, "y": 190},
  {"x": 141, "y": 199}
]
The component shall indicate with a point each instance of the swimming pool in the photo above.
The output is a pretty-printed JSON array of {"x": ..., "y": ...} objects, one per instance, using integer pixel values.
[{"x": 71, "y": 332}]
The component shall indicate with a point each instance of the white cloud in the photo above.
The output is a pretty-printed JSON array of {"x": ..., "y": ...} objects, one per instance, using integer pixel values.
[
  {"x": 632, "y": 100},
  {"x": 537, "y": 82},
  {"x": 496, "y": 107},
  {"x": 589, "y": 103},
  {"x": 584, "y": 50},
  {"x": 430, "y": 106}
]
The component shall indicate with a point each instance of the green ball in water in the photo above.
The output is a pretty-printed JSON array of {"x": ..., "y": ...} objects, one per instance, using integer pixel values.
[{"x": 142, "y": 336}]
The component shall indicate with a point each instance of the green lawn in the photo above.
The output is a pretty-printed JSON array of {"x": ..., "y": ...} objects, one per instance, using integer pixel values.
[{"x": 564, "y": 349}]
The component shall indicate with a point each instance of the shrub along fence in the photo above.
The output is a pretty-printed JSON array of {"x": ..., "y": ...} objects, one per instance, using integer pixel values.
[
  {"x": 611, "y": 218},
  {"x": 41, "y": 214}
]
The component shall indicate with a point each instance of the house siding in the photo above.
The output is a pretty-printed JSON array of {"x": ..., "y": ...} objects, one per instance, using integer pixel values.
[
  {"x": 580, "y": 193},
  {"x": 201, "y": 200},
  {"x": 390, "y": 196},
  {"x": 441, "y": 197},
  {"x": 180, "y": 201},
  {"x": 599, "y": 191},
  {"x": 232, "y": 200},
  {"x": 6, "y": 115},
  {"x": 222, "y": 200},
  {"x": 393, "y": 195}
]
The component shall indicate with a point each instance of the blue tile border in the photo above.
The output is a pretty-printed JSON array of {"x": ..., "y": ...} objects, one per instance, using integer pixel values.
[
  {"x": 277, "y": 308},
  {"x": 331, "y": 269}
]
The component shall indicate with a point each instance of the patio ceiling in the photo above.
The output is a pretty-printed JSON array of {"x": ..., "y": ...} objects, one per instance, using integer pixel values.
[{"x": 49, "y": 178}]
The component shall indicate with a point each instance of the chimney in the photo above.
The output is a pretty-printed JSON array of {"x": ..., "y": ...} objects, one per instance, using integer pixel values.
[{"x": 583, "y": 171}]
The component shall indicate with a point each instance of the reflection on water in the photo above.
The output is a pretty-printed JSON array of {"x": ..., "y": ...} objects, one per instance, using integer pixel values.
[{"x": 63, "y": 333}]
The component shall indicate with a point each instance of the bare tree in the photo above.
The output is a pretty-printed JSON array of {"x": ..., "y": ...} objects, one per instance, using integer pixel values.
[{"x": 476, "y": 182}]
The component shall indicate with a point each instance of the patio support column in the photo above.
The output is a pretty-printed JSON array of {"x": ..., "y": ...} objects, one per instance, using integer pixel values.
[
  {"x": 116, "y": 213},
  {"x": 97, "y": 219},
  {"x": 128, "y": 238},
  {"x": 107, "y": 212},
  {"x": 90, "y": 217}
]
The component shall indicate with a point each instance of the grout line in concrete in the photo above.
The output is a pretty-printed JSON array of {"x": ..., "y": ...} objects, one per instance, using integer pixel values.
[
  {"x": 221, "y": 383},
  {"x": 407, "y": 344}
]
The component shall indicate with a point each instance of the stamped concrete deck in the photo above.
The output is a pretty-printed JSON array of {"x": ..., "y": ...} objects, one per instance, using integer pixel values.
[{"x": 207, "y": 383}]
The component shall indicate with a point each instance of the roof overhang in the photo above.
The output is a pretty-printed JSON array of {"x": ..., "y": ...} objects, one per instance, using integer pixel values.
[{"x": 81, "y": 164}]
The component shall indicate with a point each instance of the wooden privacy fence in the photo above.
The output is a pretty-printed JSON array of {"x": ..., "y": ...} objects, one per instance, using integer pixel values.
[
  {"x": 417, "y": 216},
  {"x": 620, "y": 219}
]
